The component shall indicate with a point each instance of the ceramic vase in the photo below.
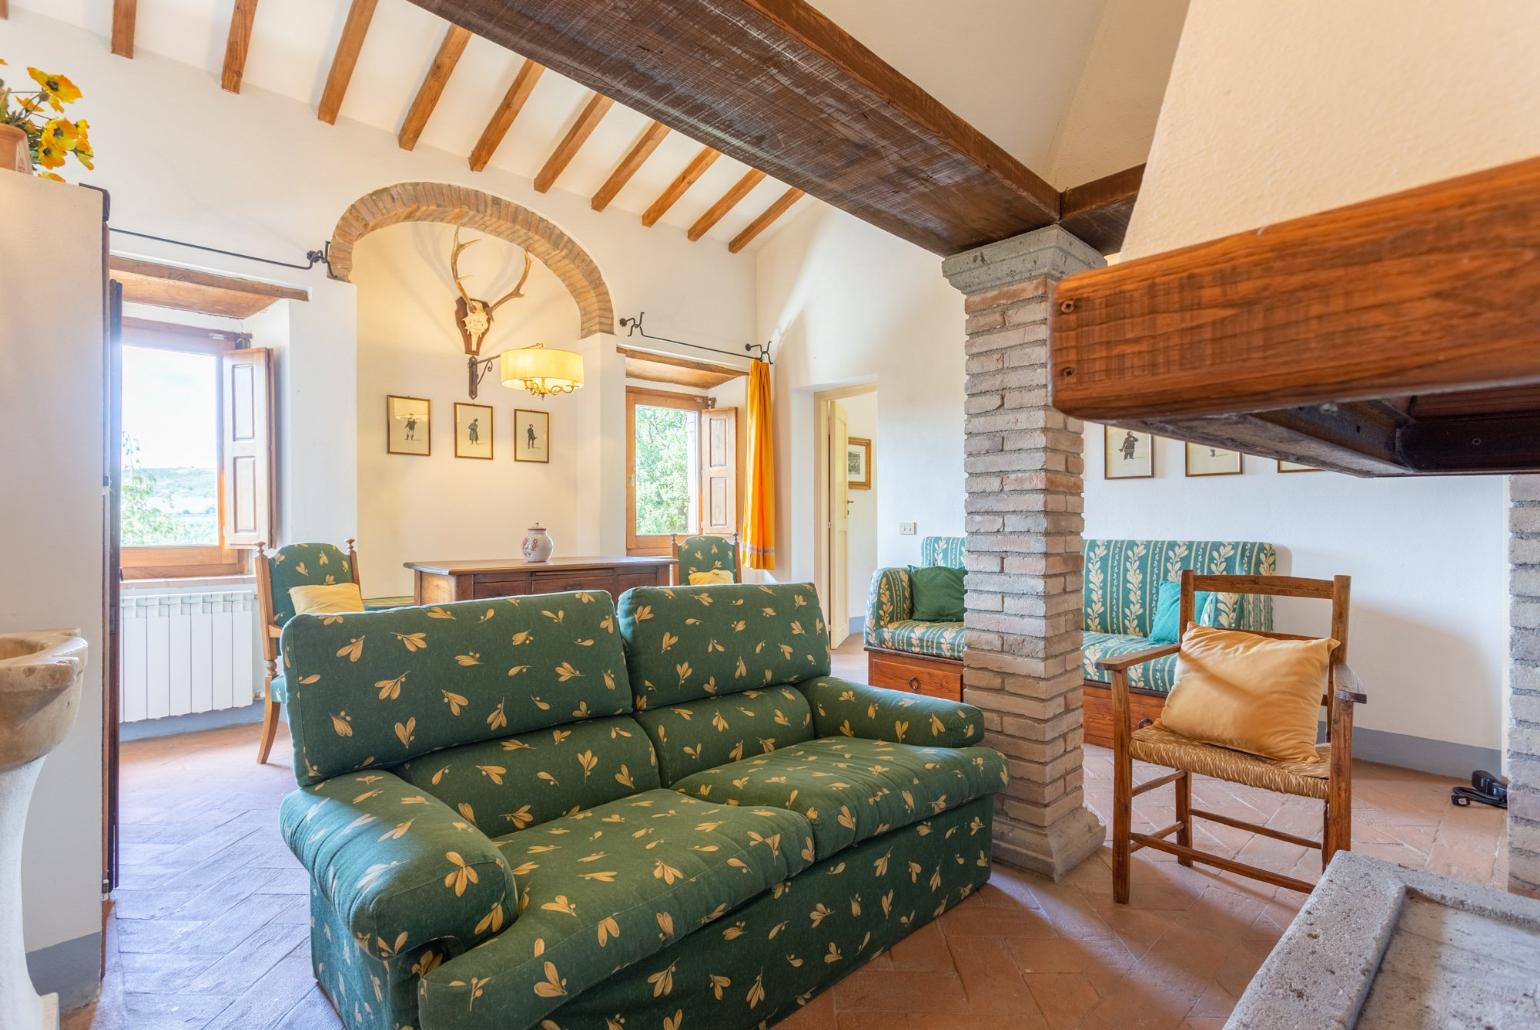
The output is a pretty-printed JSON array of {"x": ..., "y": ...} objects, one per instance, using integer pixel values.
[
  {"x": 15, "y": 154},
  {"x": 537, "y": 544},
  {"x": 40, "y": 681}
]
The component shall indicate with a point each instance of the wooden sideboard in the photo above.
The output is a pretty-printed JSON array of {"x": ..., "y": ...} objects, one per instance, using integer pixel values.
[{"x": 435, "y": 582}]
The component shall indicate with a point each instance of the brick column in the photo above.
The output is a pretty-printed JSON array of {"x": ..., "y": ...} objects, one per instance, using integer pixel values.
[
  {"x": 1024, "y": 523},
  {"x": 1524, "y": 684}
]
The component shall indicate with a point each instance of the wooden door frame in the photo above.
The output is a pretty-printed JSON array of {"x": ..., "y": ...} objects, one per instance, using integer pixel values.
[
  {"x": 651, "y": 545},
  {"x": 822, "y": 399}
]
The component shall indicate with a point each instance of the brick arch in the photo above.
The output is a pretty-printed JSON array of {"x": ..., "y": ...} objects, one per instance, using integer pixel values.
[{"x": 459, "y": 205}]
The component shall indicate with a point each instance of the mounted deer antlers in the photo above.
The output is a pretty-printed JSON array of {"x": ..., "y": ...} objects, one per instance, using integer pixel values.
[{"x": 474, "y": 317}]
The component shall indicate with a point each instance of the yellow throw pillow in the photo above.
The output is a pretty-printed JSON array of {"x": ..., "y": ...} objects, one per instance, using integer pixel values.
[
  {"x": 700, "y": 579},
  {"x": 330, "y": 597},
  {"x": 1249, "y": 692}
]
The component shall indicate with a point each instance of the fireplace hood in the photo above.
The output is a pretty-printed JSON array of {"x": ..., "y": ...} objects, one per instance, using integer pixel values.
[{"x": 1395, "y": 337}]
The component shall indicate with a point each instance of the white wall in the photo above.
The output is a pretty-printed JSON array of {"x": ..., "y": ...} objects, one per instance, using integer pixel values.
[
  {"x": 51, "y": 390},
  {"x": 848, "y": 304},
  {"x": 1280, "y": 110},
  {"x": 861, "y": 420}
]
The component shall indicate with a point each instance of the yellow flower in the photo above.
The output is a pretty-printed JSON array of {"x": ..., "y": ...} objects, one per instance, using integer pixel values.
[
  {"x": 58, "y": 90},
  {"x": 60, "y": 132},
  {"x": 83, "y": 152}
]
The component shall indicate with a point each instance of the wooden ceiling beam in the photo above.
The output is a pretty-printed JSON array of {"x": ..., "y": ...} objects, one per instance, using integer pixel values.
[
  {"x": 124, "y": 14},
  {"x": 5, "y": 8},
  {"x": 502, "y": 119},
  {"x": 237, "y": 43},
  {"x": 432, "y": 87},
  {"x": 1098, "y": 212},
  {"x": 782, "y": 88},
  {"x": 635, "y": 157},
  {"x": 682, "y": 182},
  {"x": 588, "y": 119},
  {"x": 778, "y": 208},
  {"x": 729, "y": 200},
  {"x": 354, "y": 29}
]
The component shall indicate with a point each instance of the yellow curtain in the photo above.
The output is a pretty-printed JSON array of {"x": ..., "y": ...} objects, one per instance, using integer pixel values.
[{"x": 759, "y": 491}]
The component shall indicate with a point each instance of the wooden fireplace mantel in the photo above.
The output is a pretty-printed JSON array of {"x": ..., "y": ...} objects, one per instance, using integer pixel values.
[{"x": 1398, "y": 336}]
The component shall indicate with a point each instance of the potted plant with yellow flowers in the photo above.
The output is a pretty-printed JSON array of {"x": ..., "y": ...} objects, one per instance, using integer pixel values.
[{"x": 34, "y": 134}]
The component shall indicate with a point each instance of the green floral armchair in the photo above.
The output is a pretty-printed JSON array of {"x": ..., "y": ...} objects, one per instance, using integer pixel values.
[
  {"x": 889, "y": 605},
  {"x": 544, "y": 811},
  {"x": 706, "y": 553}
]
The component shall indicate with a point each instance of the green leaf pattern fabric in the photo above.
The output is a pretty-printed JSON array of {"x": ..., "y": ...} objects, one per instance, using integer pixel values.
[
  {"x": 380, "y": 688},
  {"x": 687, "y": 643},
  {"x": 299, "y": 565},
  {"x": 936, "y": 639},
  {"x": 718, "y": 730},
  {"x": 706, "y": 554},
  {"x": 842, "y": 708},
  {"x": 943, "y": 550},
  {"x": 890, "y": 606},
  {"x": 1157, "y": 676},
  {"x": 1122, "y": 581}
]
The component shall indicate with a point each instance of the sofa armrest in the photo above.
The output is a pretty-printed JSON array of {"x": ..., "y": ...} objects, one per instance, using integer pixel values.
[
  {"x": 842, "y": 708},
  {"x": 888, "y": 599},
  {"x": 399, "y": 867}
]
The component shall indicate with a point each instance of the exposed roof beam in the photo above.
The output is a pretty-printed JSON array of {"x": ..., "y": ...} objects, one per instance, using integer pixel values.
[
  {"x": 354, "y": 29},
  {"x": 1098, "y": 211},
  {"x": 5, "y": 8},
  {"x": 587, "y": 120},
  {"x": 237, "y": 43},
  {"x": 507, "y": 111},
  {"x": 676, "y": 189},
  {"x": 633, "y": 160},
  {"x": 781, "y": 205},
  {"x": 433, "y": 84},
  {"x": 124, "y": 13},
  {"x": 714, "y": 213},
  {"x": 782, "y": 88}
]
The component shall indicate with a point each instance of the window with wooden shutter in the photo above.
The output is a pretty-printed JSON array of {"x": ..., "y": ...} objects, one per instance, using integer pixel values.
[
  {"x": 247, "y": 381},
  {"x": 719, "y": 471}
]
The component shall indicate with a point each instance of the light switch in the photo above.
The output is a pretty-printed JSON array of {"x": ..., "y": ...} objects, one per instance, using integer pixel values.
[{"x": 906, "y": 529}]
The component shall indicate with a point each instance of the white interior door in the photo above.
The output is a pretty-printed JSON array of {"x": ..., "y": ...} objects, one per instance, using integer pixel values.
[{"x": 839, "y": 527}]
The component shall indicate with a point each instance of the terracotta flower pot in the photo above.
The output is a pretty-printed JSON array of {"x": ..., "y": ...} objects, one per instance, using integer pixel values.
[{"x": 15, "y": 155}]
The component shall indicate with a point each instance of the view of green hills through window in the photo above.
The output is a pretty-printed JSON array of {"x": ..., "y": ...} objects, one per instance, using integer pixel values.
[{"x": 170, "y": 494}]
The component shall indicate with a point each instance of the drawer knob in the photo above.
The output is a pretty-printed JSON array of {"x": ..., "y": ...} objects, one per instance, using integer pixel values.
[{"x": 914, "y": 683}]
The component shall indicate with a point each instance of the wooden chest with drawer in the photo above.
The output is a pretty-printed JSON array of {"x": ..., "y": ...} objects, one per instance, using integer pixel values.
[{"x": 914, "y": 674}]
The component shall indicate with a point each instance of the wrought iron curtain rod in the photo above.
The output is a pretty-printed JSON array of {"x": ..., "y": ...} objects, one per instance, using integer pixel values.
[
  {"x": 755, "y": 351},
  {"x": 314, "y": 257}
]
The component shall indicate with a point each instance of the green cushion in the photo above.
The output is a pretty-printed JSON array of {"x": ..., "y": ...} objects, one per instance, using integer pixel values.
[
  {"x": 517, "y": 782},
  {"x": 706, "y": 554},
  {"x": 299, "y": 565},
  {"x": 852, "y": 789},
  {"x": 607, "y": 887},
  {"x": 1168, "y": 612},
  {"x": 1158, "y": 675},
  {"x": 1122, "y": 581},
  {"x": 935, "y": 639},
  {"x": 380, "y": 688},
  {"x": 713, "y": 731},
  {"x": 937, "y": 592},
  {"x": 278, "y": 690},
  {"x": 687, "y": 643}
]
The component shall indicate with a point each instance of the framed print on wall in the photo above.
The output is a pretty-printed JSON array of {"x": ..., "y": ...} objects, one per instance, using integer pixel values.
[
  {"x": 1295, "y": 466},
  {"x": 1129, "y": 454},
  {"x": 531, "y": 435},
  {"x": 858, "y": 463},
  {"x": 1203, "y": 460},
  {"x": 408, "y": 425},
  {"x": 473, "y": 431}
]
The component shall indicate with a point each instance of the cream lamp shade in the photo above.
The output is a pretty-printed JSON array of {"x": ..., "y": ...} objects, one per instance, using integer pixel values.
[{"x": 540, "y": 370}]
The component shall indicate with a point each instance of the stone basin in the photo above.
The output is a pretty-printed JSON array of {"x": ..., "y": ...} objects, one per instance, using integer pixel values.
[{"x": 40, "y": 676}]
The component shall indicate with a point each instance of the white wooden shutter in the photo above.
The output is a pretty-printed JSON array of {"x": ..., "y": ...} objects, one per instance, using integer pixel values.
[
  {"x": 719, "y": 471},
  {"x": 247, "y": 477}
]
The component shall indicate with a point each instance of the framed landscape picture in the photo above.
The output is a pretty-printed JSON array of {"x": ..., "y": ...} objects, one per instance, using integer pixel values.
[
  {"x": 1295, "y": 466},
  {"x": 473, "y": 431},
  {"x": 408, "y": 425},
  {"x": 1129, "y": 454},
  {"x": 531, "y": 435},
  {"x": 858, "y": 463},
  {"x": 1203, "y": 460}
]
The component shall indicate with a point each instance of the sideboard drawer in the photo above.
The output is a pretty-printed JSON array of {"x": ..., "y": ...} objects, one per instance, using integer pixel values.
[
  {"x": 501, "y": 586},
  {"x": 577, "y": 579},
  {"x": 933, "y": 677}
]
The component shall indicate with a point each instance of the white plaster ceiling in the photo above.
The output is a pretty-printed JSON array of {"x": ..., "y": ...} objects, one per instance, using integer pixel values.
[{"x": 1011, "y": 67}]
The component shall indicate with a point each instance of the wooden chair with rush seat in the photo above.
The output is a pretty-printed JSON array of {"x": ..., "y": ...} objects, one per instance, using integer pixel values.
[
  {"x": 707, "y": 553},
  {"x": 1328, "y": 778},
  {"x": 278, "y": 572}
]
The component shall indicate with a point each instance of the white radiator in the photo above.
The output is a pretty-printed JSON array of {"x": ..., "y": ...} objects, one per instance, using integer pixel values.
[{"x": 187, "y": 652}]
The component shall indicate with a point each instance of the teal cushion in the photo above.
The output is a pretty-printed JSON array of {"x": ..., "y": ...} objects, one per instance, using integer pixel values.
[
  {"x": 1168, "y": 612},
  {"x": 938, "y": 593}
]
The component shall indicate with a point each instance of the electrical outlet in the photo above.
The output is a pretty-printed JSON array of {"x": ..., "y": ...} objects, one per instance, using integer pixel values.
[{"x": 906, "y": 529}]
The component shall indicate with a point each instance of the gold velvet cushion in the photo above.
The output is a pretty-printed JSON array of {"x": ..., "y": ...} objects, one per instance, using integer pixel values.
[
  {"x": 328, "y": 597},
  {"x": 1249, "y": 692},
  {"x": 698, "y": 579}
]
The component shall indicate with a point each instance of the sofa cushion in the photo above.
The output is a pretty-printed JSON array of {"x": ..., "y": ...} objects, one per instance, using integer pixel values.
[
  {"x": 852, "y": 789},
  {"x": 716, "y": 730},
  {"x": 687, "y": 643},
  {"x": 1158, "y": 676},
  {"x": 518, "y": 782},
  {"x": 1122, "y": 581},
  {"x": 938, "y": 593},
  {"x": 936, "y": 639},
  {"x": 609, "y": 886},
  {"x": 381, "y": 688}
]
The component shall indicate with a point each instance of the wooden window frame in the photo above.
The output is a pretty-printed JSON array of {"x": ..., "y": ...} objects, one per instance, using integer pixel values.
[
  {"x": 651, "y": 544},
  {"x": 175, "y": 561}
]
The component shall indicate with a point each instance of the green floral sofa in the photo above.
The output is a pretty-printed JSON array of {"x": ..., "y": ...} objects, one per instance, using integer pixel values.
[
  {"x": 889, "y": 605},
  {"x": 544, "y": 811},
  {"x": 1122, "y": 581}
]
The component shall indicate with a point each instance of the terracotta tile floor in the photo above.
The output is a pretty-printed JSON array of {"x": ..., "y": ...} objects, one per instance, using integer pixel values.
[{"x": 210, "y": 927}]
